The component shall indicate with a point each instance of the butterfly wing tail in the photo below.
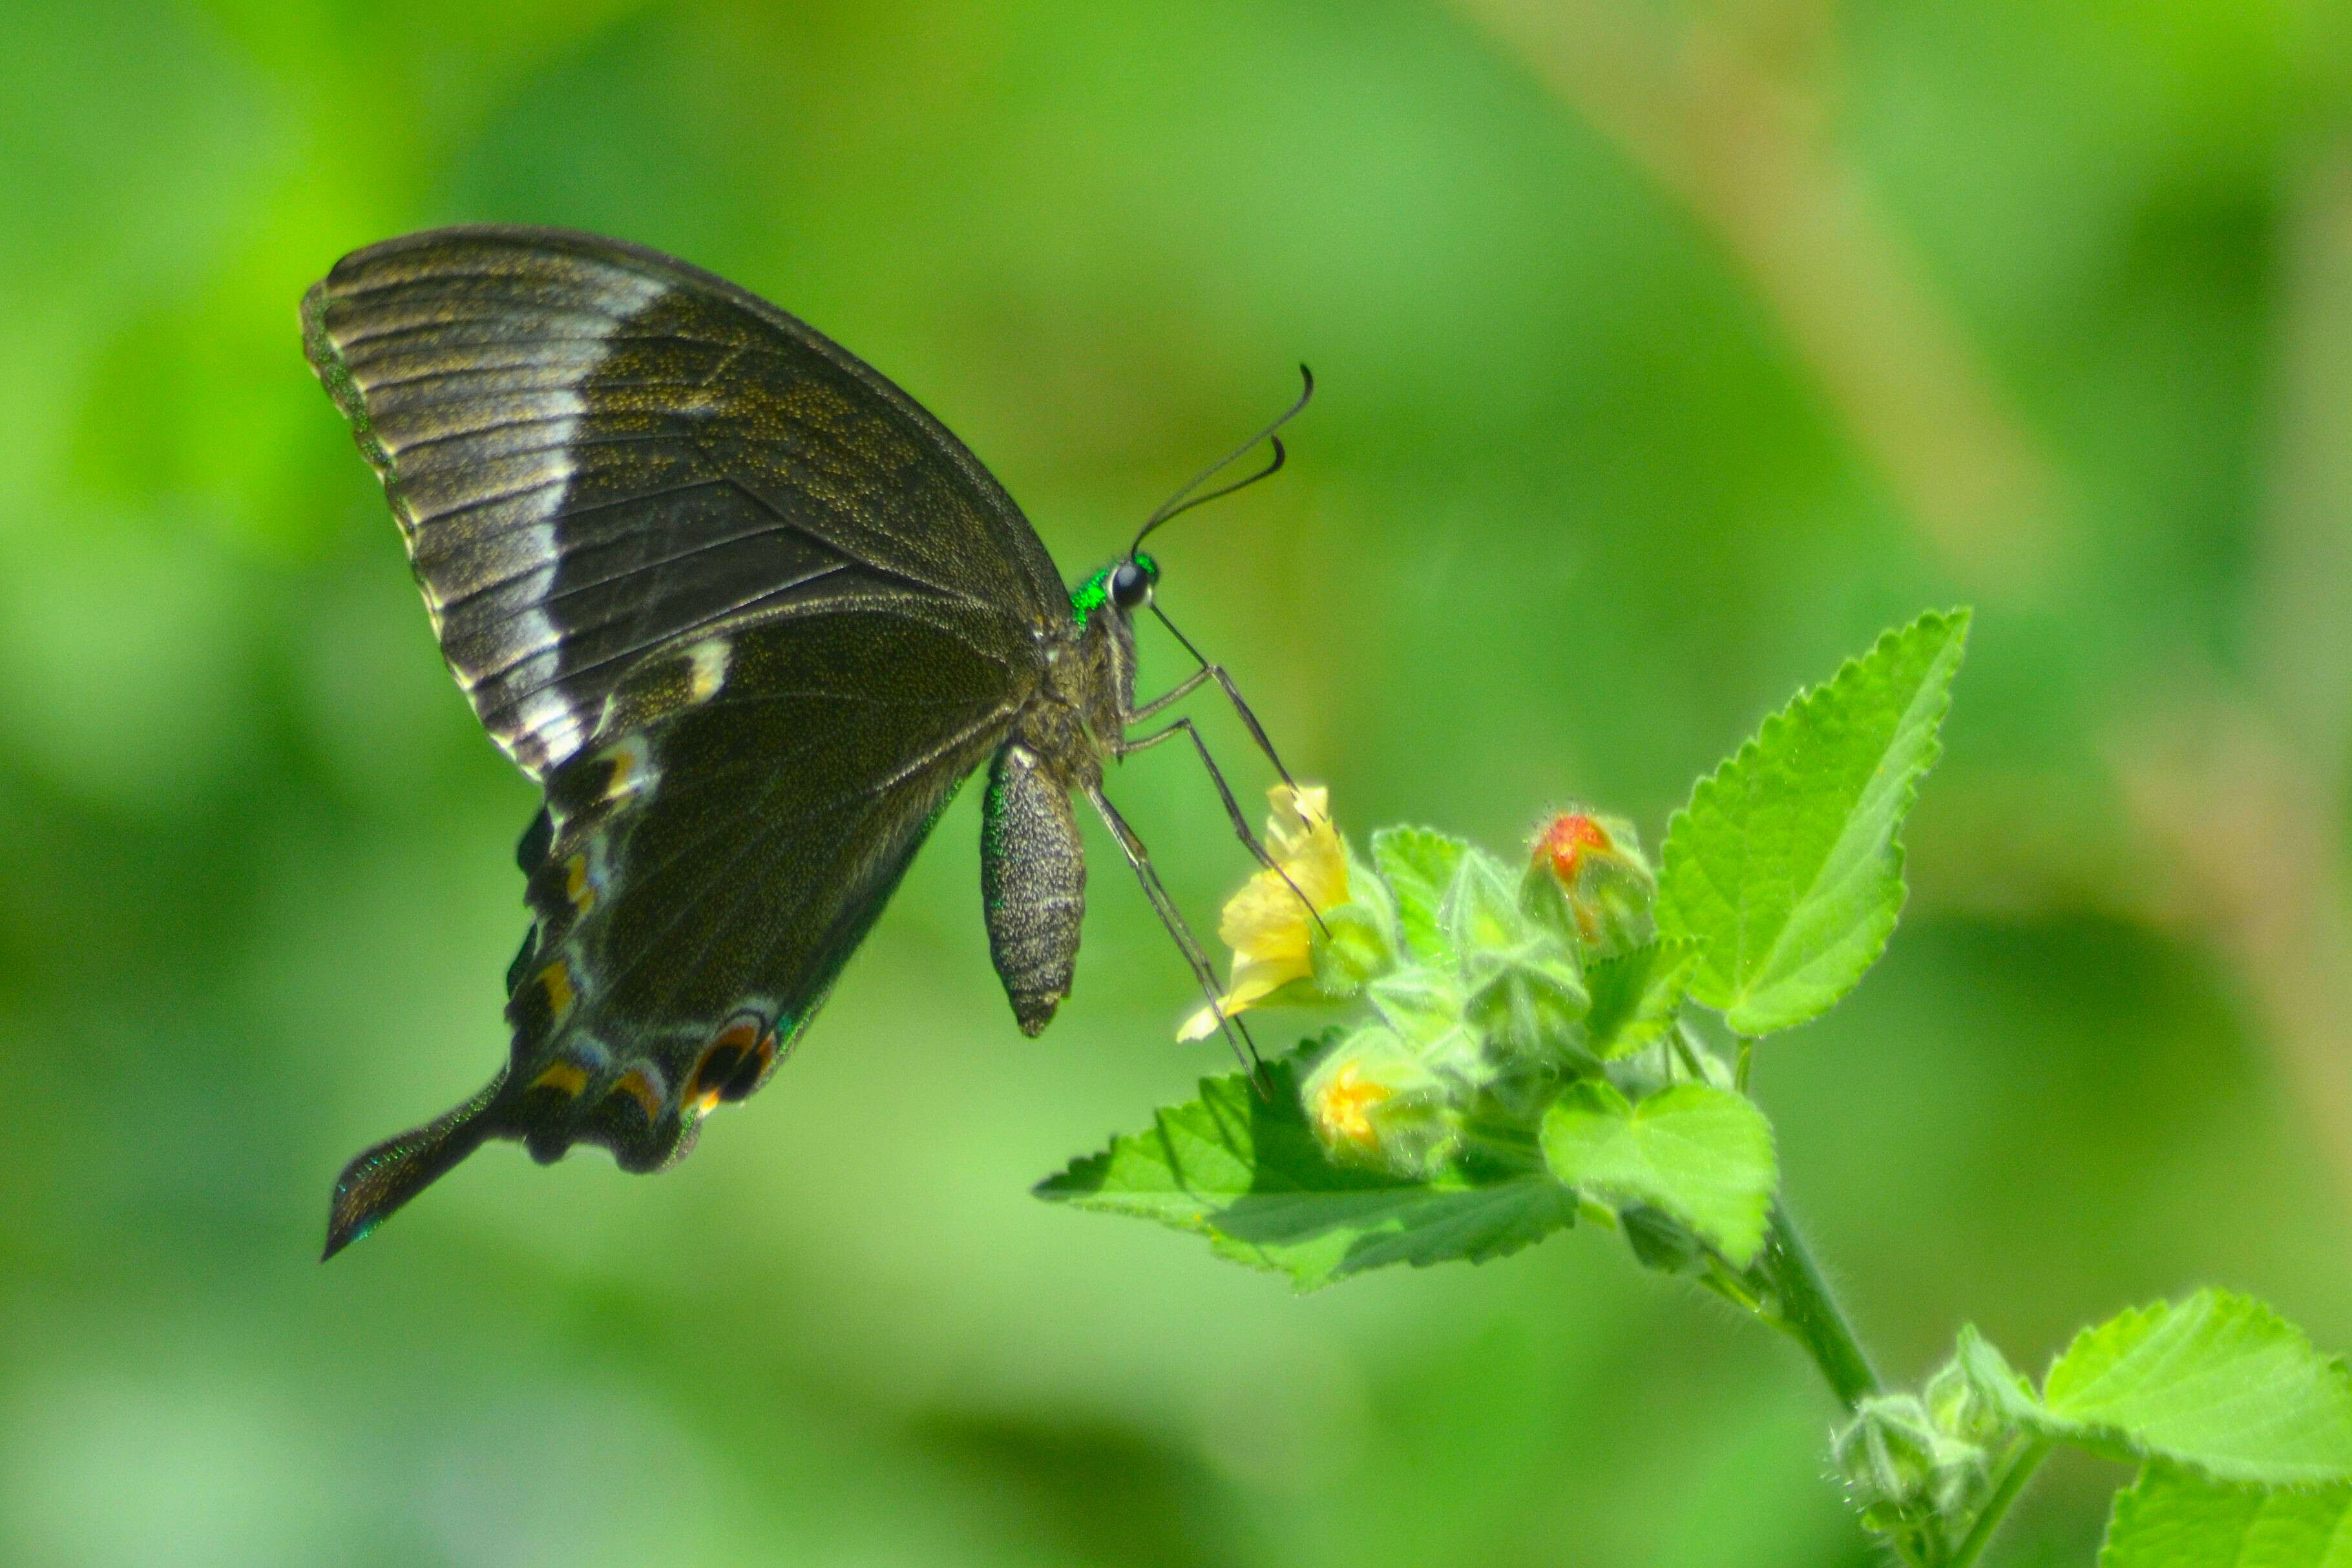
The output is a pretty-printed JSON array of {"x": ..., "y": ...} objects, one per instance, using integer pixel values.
[{"x": 387, "y": 1175}]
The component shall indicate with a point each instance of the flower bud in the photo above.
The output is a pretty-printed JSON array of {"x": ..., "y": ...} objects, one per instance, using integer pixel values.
[
  {"x": 1901, "y": 1470},
  {"x": 1529, "y": 1004},
  {"x": 1960, "y": 1409},
  {"x": 1587, "y": 879},
  {"x": 1372, "y": 1101}
]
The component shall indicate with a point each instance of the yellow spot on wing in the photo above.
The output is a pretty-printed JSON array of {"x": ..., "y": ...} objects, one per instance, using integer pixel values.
[
  {"x": 575, "y": 885},
  {"x": 565, "y": 1078},
  {"x": 640, "y": 1087},
  {"x": 708, "y": 672},
  {"x": 557, "y": 978},
  {"x": 626, "y": 760}
]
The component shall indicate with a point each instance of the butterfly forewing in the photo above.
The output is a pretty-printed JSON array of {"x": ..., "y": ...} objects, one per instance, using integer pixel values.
[{"x": 596, "y": 450}]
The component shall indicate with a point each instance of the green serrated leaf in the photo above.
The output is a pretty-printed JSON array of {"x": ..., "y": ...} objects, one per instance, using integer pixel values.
[
  {"x": 1246, "y": 1171},
  {"x": 2217, "y": 1382},
  {"x": 1786, "y": 864},
  {"x": 2171, "y": 1518},
  {"x": 1702, "y": 1155},
  {"x": 1418, "y": 864},
  {"x": 1636, "y": 995}
]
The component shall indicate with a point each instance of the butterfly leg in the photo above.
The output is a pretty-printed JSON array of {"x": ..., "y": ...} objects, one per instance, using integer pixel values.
[
  {"x": 1236, "y": 1033},
  {"x": 1233, "y": 812},
  {"x": 1209, "y": 672}
]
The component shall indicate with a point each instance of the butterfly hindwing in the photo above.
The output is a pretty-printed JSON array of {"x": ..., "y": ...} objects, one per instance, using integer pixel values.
[
  {"x": 596, "y": 450},
  {"x": 711, "y": 861},
  {"x": 719, "y": 852}
]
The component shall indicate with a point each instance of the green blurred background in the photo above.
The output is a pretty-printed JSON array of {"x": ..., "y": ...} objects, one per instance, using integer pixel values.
[{"x": 1667, "y": 354}]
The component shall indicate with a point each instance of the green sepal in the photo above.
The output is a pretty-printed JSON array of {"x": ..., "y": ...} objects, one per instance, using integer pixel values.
[
  {"x": 1636, "y": 996},
  {"x": 2004, "y": 1391},
  {"x": 1420, "y": 1003},
  {"x": 1348, "y": 950},
  {"x": 1418, "y": 865},
  {"x": 1960, "y": 1402},
  {"x": 1530, "y": 1003},
  {"x": 1481, "y": 914},
  {"x": 1610, "y": 908},
  {"x": 1354, "y": 942},
  {"x": 1901, "y": 1470}
]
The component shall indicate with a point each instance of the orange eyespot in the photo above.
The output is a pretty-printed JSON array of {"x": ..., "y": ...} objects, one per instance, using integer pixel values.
[{"x": 732, "y": 1064}]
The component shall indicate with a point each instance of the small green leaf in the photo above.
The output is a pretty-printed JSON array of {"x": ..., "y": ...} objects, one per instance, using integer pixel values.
[
  {"x": 1786, "y": 862},
  {"x": 1246, "y": 1172},
  {"x": 2175, "y": 1520},
  {"x": 1702, "y": 1155},
  {"x": 1418, "y": 865},
  {"x": 1636, "y": 995},
  {"x": 2217, "y": 1382}
]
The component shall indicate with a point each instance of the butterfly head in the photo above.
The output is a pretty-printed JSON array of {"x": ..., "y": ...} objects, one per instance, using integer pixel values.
[{"x": 1124, "y": 587}]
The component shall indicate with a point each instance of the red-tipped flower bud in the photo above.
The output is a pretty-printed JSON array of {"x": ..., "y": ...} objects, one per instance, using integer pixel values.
[{"x": 1587, "y": 876}]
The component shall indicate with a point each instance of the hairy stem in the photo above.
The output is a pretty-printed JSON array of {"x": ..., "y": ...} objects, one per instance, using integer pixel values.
[
  {"x": 2020, "y": 1469},
  {"x": 1808, "y": 1314}
]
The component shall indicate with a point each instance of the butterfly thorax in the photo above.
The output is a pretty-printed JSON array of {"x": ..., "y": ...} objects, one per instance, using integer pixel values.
[{"x": 1077, "y": 714}]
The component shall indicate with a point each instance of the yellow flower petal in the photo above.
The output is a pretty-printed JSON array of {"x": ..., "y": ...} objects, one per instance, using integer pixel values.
[{"x": 1269, "y": 930}]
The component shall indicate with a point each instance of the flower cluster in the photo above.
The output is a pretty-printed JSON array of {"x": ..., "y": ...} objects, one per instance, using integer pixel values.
[
  {"x": 1474, "y": 975},
  {"x": 1915, "y": 1460}
]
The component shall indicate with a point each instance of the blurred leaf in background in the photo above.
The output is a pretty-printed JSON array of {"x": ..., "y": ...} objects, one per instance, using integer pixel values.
[{"x": 1666, "y": 354}]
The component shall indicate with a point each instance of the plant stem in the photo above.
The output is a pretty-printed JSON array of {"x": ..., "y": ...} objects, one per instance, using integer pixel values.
[
  {"x": 1809, "y": 1313},
  {"x": 2022, "y": 1467},
  {"x": 1740, "y": 1073}
]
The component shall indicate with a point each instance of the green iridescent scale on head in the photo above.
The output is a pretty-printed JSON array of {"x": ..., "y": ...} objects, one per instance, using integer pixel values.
[{"x": 1090, "y": 595}]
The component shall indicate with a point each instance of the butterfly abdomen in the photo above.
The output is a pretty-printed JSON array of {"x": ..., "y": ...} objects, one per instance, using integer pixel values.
[{"x": 1033, "y": 884}]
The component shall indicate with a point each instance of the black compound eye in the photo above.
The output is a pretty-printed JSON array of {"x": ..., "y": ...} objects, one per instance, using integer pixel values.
[{"x": 1130, "y": 585}]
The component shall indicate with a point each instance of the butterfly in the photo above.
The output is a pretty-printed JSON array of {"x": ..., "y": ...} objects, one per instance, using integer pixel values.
[{"x": 749, "y": 616}]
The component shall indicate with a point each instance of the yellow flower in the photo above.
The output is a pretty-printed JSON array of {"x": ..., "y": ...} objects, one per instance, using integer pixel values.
[
  {"x": 1269, "y": 930},
  {"x": 1372, "y": 1101},
  {"x": 1341, "y": 1107}
]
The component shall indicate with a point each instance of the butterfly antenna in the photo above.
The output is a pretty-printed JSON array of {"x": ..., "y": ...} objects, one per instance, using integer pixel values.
[{"x": 1184, "y": 500}]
